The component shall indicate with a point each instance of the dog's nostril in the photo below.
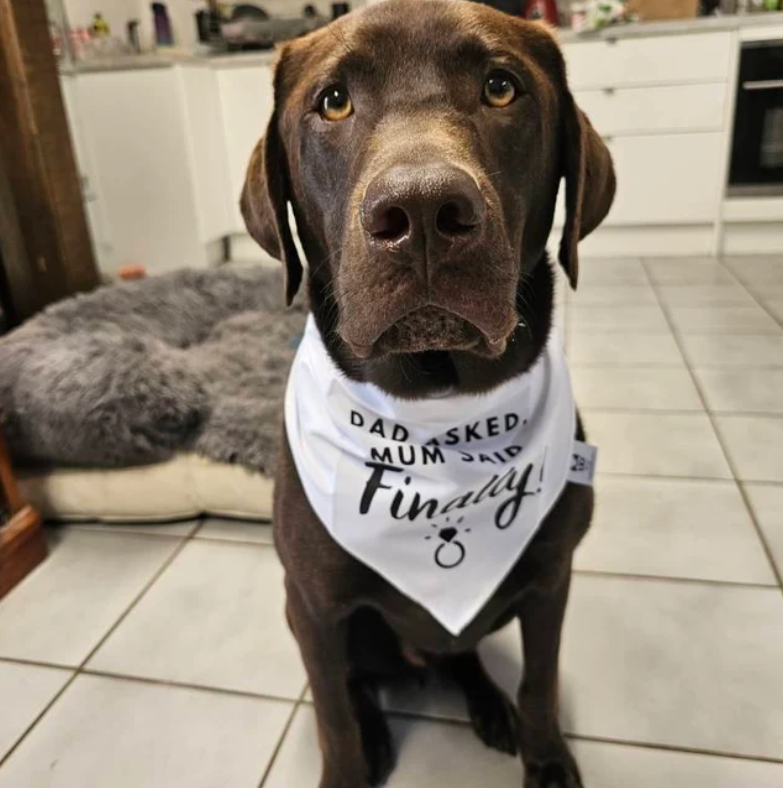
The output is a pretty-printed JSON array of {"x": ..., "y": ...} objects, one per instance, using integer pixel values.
[
  {"x": 391, "y": 224},
  {"x": 454, "y": 219}
]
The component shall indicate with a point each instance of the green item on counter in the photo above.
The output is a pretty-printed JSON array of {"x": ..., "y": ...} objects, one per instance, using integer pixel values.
[
  {"x": 771, "y": 5},
  {"x": 100, "y": 27}
]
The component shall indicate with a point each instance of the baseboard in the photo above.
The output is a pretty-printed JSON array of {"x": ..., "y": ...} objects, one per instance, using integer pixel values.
[
  {"x": 245, "y": 249},
  {"x": 752, "y": 238},
  {"x": 645, "y": 241}
]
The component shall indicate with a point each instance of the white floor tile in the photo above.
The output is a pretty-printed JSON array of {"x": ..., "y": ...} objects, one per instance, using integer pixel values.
[
  {"x": 215, "y": 618},
  {"x": 757, "y": 270},
  {"x": 60, "y": 612},
  {"x": 429, "y": 754},
  {"x": 721, "y": 319},
  {"x": 701, "y": 295},
  {"x": 25, "y": 690},
  {"x": 742, "y": 390},
  {"x": 671, "y": 444},
  {"x": 728, "y": 350},
  {"x": 618, "y": 766},
  {"x": 589, "y": 347},
  {"x": 775, "y": 306},
  {"x": 677, "y": 664},
  {"x": 755, "y": 445},
  {"x": 767, "y": 503},
  {"x": 235, "y": 530},
  {"x": 635, "y": 388},
  {"x": 673, "y": 528},
  {"x": 123, "y": 734},
  {"x": 687, "y": 271},
  {"x": 640, "y": 319}
]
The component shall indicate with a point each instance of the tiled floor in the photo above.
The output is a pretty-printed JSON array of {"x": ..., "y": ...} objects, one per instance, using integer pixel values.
[{"x": 159, "y": 657}]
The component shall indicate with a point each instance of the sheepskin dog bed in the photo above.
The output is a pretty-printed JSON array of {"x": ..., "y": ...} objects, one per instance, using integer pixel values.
[{"x": 152, "y": 400}]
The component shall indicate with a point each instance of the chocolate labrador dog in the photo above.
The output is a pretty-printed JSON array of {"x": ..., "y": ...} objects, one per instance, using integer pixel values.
[{"x": 421, "y": 144}]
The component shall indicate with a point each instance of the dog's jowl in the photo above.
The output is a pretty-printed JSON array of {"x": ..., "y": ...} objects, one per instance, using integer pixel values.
[{"x": 428, "y": 493}]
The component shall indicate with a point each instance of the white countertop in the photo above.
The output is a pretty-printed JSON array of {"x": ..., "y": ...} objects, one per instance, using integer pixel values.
[
  {"x": 565, "y": 36},
  {"x": 674, "y": 27}
]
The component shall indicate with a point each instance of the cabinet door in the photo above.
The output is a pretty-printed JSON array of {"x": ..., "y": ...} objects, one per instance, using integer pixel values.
[
  {"x": 135, "y": 129},
  {"x": 655, "y": 109},
  {"x": 667, "y": 178},
  {"x": 657, "y": 60},
  {"x": 247, "y": 100}
]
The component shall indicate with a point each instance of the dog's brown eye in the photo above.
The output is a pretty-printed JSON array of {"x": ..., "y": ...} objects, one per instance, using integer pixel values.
[
  {"x": 499, "y": 90},
  {"x": 335, "y": 104}
]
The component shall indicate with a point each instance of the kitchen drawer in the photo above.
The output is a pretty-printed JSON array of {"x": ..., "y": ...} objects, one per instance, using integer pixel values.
[
  {"x": 667, "y": 178},
  {"x": 658, "y": 60},
  {"x": 653, "y": 110}
]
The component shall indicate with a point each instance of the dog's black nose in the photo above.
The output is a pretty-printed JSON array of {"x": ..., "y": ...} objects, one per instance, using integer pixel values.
[{"x": 431, "y": 209}]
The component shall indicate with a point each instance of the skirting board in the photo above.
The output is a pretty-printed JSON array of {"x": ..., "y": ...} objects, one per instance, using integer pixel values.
[
  {"x": 628, "y": 241},
  {"x": 752, "y": 238},
  {"x": 648, "y": 241}
]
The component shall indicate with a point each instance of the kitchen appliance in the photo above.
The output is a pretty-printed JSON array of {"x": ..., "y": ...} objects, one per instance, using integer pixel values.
[
  {"x": 252, "y": 28},
  {"x": 757, "y": 145}
]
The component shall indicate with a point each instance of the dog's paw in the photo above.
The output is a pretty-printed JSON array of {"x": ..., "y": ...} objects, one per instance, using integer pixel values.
[
  {"x": 495, "y": 721},
  {"x": 553, "y": 774}
]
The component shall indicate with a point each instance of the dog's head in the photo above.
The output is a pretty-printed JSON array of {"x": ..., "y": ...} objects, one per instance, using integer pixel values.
[{"x": 421, "y": 146}]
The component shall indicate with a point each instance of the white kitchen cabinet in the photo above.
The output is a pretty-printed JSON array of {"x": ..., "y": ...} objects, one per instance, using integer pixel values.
[
  {"x": 87, "y": 171},
  {"x": 247, "y": 101},
  {"x": 159, "y": 165},
  {"x": 658, "y": 60},
  {"x": 667, "y": 179},
  {"x": 651, "y": 110}
]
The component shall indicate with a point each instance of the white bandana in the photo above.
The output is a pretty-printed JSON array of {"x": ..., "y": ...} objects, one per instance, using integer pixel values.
[{"x": 439, "y": 496}]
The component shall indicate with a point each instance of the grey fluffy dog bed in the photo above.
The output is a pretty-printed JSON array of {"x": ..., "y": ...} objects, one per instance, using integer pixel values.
[{"x": 191, "y": 361}]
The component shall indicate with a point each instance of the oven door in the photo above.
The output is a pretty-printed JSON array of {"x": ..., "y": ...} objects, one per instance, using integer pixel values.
[{"x": 757, "y": 146}]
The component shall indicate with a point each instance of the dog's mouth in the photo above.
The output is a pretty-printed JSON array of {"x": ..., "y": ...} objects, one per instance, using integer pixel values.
[{"x": 431, "y": 328}]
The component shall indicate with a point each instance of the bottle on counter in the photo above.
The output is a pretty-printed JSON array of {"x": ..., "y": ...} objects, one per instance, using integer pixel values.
[{"x": 163, "y": 34}]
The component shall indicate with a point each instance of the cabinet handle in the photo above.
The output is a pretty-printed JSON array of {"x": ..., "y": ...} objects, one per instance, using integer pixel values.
[
  {"x": 608, "y": 138},
  {"x": 611, "y": 39},
  {"x": 764, "y": 84},
  {"x": 609, "y": 91}
]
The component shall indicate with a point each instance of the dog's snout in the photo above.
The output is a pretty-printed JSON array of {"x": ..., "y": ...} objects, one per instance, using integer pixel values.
[{"x": 413, "y": 208}]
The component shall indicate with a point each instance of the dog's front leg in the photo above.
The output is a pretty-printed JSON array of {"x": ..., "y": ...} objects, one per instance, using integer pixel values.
[
  {"x": 324, "y": 647},
  {"x": 548, "y": 762}
]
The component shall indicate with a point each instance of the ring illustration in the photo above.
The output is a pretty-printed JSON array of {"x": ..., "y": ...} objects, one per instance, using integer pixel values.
[{"x": 450, "y": 554}]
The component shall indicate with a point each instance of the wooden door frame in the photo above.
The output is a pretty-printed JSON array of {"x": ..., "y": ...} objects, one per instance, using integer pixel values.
[{"x": 46, "y": 248}]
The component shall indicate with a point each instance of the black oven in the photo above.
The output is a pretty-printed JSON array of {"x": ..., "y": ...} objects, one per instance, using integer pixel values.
[{"x": 757, "y": 145}]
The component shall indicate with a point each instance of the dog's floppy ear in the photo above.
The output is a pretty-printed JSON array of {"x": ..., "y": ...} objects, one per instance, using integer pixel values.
[
  {"x": 264, "y": 205},
  {"x": 589, "y": 183}
]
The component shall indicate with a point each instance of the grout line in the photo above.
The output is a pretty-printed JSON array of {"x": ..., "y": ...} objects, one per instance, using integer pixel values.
[
  {"x": 283, "y": 735},
  {"x": 225, "y": 540},
  {"x": 721, "y": 442},
  {"x": 80, "y": 668},
  {"x": 108, "y": 674},
  {"x": 44, "y": 711},
  {"x": 773, "y": 586},
  {"x": 673, "y": 478},
  {"x": 701, "y": 410},
  {"x": 672, "y": 748},
  {"x": 37, "y": 663}
]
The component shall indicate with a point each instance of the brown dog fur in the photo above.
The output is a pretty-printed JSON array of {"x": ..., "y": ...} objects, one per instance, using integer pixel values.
[{"x": 415, "y": 72}]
